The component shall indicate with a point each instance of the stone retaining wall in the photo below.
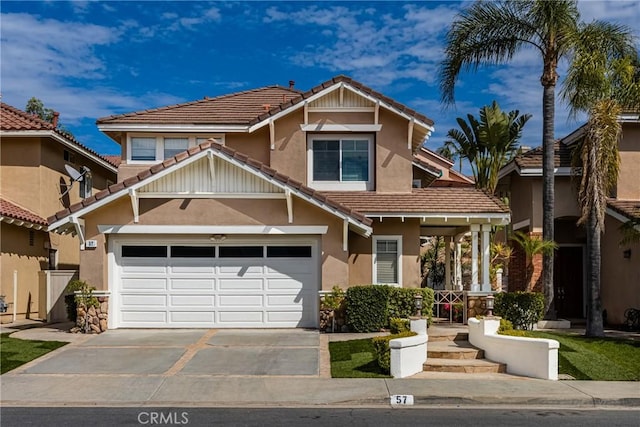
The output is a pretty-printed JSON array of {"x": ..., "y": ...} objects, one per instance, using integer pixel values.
[{"x": 93, "y": 320}]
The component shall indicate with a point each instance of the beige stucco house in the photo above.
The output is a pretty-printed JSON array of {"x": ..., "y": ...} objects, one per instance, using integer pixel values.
[
  {"x": 521, "y": 181},
  {"x": 33, "y": 179},
  {"x": 238, "y": 210}
]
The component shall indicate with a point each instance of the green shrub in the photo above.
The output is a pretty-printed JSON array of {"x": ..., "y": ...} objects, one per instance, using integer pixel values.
[
  {"x": 84, "y": 297},
  {"x": 398, "y": 325},
  {"x": 370, "y": 307},
  {"x": 523, "y": 309},
  {"x": 402, "y": 301},
  {"x": 383, "y": 352},
  {"x": 334, "y": 300},
  {"x": 505, "y": 325},
  {"x": 367, "y": 307}
]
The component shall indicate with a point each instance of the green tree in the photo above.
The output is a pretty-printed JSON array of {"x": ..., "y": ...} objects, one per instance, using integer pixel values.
[
  {"x": 532, "y": 246},
  {"x": 630, "y": 232},
  {"x": 448, "y": 152},
  {"x": 602, "y": 80},
  {"x": 490, "y": 33},
  {"x": 489, "y": 143},
  {"x": 36, "y": 107}
]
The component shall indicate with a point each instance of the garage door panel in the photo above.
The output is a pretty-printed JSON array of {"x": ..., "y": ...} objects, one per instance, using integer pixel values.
[
  {"x": 146, "y": 300},
  {"x": 285, "y": 316},
  {"x": 284, "y": 284},
  {"x": 225, "y": 284},
  {"x": 241, "y": 270},
  {"x": 192, "y": 269},
  {"x": 192, "y": 300},
  {"x": 188, "y": 317},
  {"x": 191, "y": 284},
  {"x": 286, "y": 300},
  {"x": 136, "y": 317},
  {"x": 240, "y": 301},
  {"x": 144, "y": 284},
  {"x": 138, "y": 265},
  {"x": 246, "y": 317},
  {"x": 292, "y": 267}
]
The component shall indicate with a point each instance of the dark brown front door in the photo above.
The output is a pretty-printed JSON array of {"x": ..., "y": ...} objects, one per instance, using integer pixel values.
[{"x": 568, "y": 282}]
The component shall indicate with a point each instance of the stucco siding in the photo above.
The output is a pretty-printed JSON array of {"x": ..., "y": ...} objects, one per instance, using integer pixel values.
[
  {"x": 255, "y": 145},
  {"x": 18, "y": 255},
  {"x": 620, "y": 286},
  {"x": 394, "y": 161},
  {"x": 289, "y": 155},
  {"x": 629, "y": 178},
  {"x": 20, "y": 164}
]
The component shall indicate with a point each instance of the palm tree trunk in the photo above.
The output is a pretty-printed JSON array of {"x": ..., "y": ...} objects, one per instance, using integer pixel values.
[
  {"x": 595, "y": 326},
  {"x": 548, "y": 117}
]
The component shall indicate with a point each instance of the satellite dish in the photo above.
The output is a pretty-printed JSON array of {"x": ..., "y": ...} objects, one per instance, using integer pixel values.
[{"x": 73, "y": 174}]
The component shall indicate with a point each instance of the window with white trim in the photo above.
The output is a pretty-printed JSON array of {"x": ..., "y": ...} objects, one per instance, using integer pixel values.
[
  {"x": 147, "y": 148},
  {"x": 340, "y": 162},
  {"x": 387, "y": 260}
]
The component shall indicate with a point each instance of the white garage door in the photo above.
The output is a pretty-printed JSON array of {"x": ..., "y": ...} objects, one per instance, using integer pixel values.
[{"x": 182, "y": 285}]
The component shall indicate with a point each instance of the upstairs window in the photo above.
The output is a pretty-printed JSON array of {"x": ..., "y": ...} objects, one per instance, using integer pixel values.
[
  {"x": 173, "y": 146},
  {"x": 143, "y": 149},
  {"x": 340, "y": 162}
]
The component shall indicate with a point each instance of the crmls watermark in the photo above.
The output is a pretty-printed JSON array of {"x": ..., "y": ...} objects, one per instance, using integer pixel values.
[{"x": 163, "y": 418}]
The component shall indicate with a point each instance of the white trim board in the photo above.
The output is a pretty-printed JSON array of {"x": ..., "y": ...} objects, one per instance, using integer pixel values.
[{"x": 212, "y": 229}]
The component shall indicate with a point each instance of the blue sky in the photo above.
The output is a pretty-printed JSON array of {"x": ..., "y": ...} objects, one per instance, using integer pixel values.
[{"x": 90, "y": 59}]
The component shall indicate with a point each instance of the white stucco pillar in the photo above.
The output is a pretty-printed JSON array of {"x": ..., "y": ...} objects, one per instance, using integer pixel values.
[
  {"x": 458, "y": 266},
  {"x": 486, "y": 257},
  {"x": 447, "y": 263},
  {"x": 475, "y": 228}
]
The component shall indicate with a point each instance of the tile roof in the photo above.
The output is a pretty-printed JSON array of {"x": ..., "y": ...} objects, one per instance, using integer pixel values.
[
  {"x": 245, "y": 108},
  {"x": 234, "y": 108},
  {"x": 422, "y": 200},
  {"x": 532, "y": 159},
  {"x": 8, "y": 209},
  {"x": 115, "y": 159},
  {"x": 428, "y": 166},
  {"x": 121, "y": 187},
  {"x": 13, "y": 119},
  {"x": 628, "y": 208}
]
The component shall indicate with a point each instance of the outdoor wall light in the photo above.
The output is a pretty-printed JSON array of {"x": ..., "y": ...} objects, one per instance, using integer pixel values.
[
  {"x": 489, "y": 304},
  {"x": 417, "y": 301},
  {"x": 626, "y": 253}
]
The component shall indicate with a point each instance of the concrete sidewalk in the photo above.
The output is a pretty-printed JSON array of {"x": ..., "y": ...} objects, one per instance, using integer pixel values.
[{"x": 31, "y": 385}]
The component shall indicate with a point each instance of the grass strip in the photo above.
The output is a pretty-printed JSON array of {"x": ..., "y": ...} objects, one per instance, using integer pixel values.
[{"x": 15, "y": 352}]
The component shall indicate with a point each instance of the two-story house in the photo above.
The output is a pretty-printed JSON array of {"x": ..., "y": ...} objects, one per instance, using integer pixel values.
[
  {"x": 35, "y": 184},
  {"x": 521, "y": 180},
  {"x": 236, "y": 211}
]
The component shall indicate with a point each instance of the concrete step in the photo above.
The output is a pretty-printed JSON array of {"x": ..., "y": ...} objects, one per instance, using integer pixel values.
[
  {"x": 453, "y": 350},
  {"x": 444, "y": 335},
  {"x": 473, "y": 366}
]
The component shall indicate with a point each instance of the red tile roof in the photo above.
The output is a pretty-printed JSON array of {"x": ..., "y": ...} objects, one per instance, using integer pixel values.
[
  {"x": 121, "y": 187},
  {"x": 245, "y": 108},
  {"x": 532, "y": 159},
  {"x": 422, "y": 200},
  {"x": 13, "y": 119},
  {"x": 115, "y": 159},
  {"x": 628, "y": 208},
  {"x": 234, "y": 108},
  {"x": 11, "y": 210}
]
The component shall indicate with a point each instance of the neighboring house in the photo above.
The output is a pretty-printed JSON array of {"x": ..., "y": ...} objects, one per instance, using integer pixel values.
[
  {"x": 32, "y": 179},
  {"x": 236, "y": 211},
  {"x": 521, "y": 181},
  {"x": 430, "y": 168}
]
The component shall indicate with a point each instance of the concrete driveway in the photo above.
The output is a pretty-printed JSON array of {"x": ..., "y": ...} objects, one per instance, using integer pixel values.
[{"x": 287, "y": 352}]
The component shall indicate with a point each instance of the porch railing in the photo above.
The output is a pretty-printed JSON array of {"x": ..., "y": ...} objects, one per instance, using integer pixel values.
[{"x": 449, "y": 306}]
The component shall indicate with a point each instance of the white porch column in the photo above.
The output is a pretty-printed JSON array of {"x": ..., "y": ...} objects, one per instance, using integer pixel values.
[
  {"x": 486, "y": 257},
  {"x": 447, "y": 263},
  {"x": 475, "y": 228},
  {"x": 458, "y": 266}
]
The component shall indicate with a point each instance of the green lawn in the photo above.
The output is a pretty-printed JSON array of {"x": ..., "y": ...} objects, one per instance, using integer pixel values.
[
  {"x": 600, "y": 359},
  {"x": 15, "y": 352},
  {"x": 354, "y": 359}
]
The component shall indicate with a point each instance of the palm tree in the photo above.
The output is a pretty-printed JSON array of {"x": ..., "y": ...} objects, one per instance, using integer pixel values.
[
  {"x": 490, "y": 33},
  {"x": 448, "y": 152},
  {"x": 630, "y": 231},
  {"x": 532, "y": 246},
  {"x": 488, "y": 143},
  {"x": 602, "y": 80}
]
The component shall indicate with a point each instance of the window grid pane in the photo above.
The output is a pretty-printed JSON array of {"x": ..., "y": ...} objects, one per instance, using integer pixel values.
[
  {"x": 143, "y": 149},
  {"x": 355, "y": 160},
  {"x": 326, "y": 160},
  {"x": 387, "y": 261},
  {"x": 173, "y": 146}
]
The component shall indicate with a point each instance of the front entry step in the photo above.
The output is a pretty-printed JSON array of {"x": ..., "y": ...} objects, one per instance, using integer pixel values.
[
  {"x": 453, "y": 350},
  {"x": 467, "y": 366}
]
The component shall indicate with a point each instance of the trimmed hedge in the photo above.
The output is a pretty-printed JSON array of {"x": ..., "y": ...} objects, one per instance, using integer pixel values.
[
  {"x": 383, "y": 352},
  {"x": 523, "y": 309},
  {"x": 370, "y": 307}
]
